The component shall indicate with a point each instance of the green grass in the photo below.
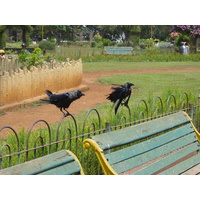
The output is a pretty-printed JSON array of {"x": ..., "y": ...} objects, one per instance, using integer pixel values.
[
  {"x": 158, "y": 84},
  {"x": 149, "y": 56},
  {"x": 110, "y": 66},
  {"x": 147, "y": 86}
]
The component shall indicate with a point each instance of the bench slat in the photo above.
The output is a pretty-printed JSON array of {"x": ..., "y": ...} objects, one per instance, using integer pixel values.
[
  {"x": 151, "y": 155},
  {"x": 39, "y": 165},
  {"x": 183, "y": 166},
  {"x": 193, "y": 171},
  {"x": 137, "y": 132},
  {"x": 139, "y": 148},
  {"x": 166, "y": 161},
  {"x": 118, "y": 50},
  {"x": 66, "y": 169}
]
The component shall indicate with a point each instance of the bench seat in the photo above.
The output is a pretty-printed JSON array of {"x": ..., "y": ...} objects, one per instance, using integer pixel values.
[
  {"x": 167, "y": 145},
  {"x": 63, "y": 162}
]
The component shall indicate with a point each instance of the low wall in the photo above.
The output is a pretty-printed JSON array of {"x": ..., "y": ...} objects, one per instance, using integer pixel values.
[{"x": 17, "y": 85}]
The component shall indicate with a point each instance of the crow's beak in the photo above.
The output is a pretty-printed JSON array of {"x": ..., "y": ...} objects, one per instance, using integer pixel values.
[{"x": 83, "y": 94}]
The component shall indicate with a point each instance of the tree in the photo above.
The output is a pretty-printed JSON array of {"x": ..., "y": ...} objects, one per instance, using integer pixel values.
[
  {"x": 129, "y": 33},
  {"x": 185, "y": 33},
  {"x": 160, "y": 32},
  {"x": 26, "y": 31},
  {"x": 60, "y": 32},
  {"x": 63, "y": 32},
  {"x": 2, "y": 36}
]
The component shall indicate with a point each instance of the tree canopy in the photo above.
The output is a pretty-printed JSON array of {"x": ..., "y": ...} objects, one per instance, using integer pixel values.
[{"x": 129, "y": 34}]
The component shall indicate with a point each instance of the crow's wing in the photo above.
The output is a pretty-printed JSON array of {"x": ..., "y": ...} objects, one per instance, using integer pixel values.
[
  {"x": 59, "y": 97},
  {"x": 127, "y": 96},
  {"x": 118, "y": 93}
]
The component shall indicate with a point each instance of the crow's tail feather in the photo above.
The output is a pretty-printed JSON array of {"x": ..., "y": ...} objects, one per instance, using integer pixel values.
[
  {"x": 48, "y": 92},
  {"x": 45, "y": 100}
]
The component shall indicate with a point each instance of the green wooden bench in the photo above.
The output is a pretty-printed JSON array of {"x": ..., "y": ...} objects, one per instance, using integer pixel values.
[
  {"x": 63, "y": 162},
  {"x": 118, "y": 50},
  {"x": 167, "y": 145}
]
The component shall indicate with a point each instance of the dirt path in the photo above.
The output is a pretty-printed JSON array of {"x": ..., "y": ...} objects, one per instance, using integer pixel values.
[{"x": 96, "y": 94}]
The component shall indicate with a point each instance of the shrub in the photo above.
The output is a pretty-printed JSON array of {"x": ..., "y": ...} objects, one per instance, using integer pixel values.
[
  {"x": 33, "y": 59},
  {"x": 93, "y": 44},
  {"x": 46, "y": 45},
  {"x": 100, "y": 44},
  {"x": 106, "y": 42},
  {"x": 113, "y": 43},
  {"x": 97, "y": 38}
]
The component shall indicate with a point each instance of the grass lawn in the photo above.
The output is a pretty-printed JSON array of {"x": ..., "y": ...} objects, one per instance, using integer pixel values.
[
  {"x": 157, "y": 84},
  {"x": 151, "y": 84},
  {"x": 109, "y": 66}
]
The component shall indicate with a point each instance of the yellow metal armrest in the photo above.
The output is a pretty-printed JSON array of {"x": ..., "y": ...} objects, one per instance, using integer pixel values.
[
  {"x": 195, "y": 130},
  {"x": 107, "y": 169},
  {"x": 77, "y": 160}
]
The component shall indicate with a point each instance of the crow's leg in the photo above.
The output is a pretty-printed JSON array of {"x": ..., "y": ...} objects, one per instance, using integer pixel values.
[
  {"x": 67, "y": 113},
  {"x": 62, "y": 111},
  {"x": 129, "y": 110},
  {"x": 117, "y": 105}
]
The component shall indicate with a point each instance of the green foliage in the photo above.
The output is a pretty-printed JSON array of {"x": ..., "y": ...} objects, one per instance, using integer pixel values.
[
  {"x": 2, "y": 37},
  {"x": 151, "y": 51},
  {"x": 145, "y": 54},
  {"x": 46, "y": 45},
  {"x": 11, "y": 52},
  {"x": 182, "y": 37},
  {"x": 148, "y": 55},
  {"x": 97, "y": 38},
  {"x": 147, "y": 42},
  {"x": 106, "y": 42},
  {"x": 93, "y": 44},
  {"x": 33, "y": 59}
]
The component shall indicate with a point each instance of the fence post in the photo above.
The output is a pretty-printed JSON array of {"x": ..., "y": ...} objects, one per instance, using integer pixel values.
[
  {"x": 108, "y": 127},
  {"x": 191, "y": 111},
  {"x": 198, "y": 96}
]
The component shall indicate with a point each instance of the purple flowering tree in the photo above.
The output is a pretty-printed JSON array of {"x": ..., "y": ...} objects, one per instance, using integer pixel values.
[{"x": 185, "y": 33}]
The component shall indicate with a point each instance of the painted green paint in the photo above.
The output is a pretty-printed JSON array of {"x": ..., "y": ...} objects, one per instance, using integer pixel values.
[
  {"x": 148, "y": 145},
  {"x": 163, "y": 162},
  {"x": 60, "y": 162},
  {"x": 153, "y": 154},
  {"x": 183, "y": 166},
  {"x": 138, "y": 132}
]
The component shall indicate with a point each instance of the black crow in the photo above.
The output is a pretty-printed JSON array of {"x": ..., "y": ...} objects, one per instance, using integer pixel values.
[
  {"x": 120, "y": 95},
  {"x": 64, "y": 100}
]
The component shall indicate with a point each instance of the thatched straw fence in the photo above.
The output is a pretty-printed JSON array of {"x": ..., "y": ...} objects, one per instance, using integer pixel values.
[{"x": 21, "y": 84}]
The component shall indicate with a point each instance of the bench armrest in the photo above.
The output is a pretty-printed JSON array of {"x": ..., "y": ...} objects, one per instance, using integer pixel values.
[
  {"x": 195, "y": 130},
  {"x": 107, "y": 169},
  {"x": 77, "y": 160}
]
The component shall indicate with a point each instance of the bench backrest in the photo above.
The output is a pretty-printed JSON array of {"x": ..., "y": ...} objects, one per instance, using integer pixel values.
[
  {"x": 170, "y": 138},
  {"x": 59, "y": 163},
  {"x": 118, "y": 50}
]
